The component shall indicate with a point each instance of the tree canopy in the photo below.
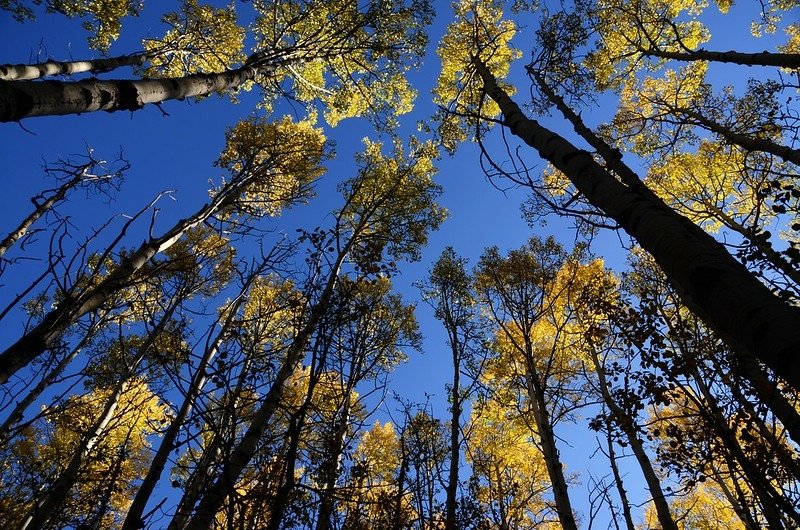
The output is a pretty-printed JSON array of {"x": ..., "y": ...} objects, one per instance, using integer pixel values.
[{"x": 232, "y": 308}]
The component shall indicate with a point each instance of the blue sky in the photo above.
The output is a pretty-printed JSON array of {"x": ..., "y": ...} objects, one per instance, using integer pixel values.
[{"x": 176, "y": 152}]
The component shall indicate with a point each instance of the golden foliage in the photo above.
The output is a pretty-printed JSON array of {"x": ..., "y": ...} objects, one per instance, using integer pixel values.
[
  {"x": 279, "y": 160},
  {"x": 710, "y": 186},
  {"x": 627, "y": 29},
  {"x": 644, "y": 100},
  {"x": 344, "y": 55},
  {"x": 480, "y": 30},
  {"x": 203, "y": 39},
  {"x": 510, "y": 467},
  {"x": 390, "y": 204},
  {"x": 119, "y": 458},
  {"x": 105, "y": 17}
]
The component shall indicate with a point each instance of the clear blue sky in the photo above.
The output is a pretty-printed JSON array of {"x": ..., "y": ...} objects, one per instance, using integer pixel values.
[{"x": 176, "y": 152}]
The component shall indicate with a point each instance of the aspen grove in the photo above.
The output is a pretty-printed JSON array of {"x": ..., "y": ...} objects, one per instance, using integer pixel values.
[{"x": 276, "y": 284}]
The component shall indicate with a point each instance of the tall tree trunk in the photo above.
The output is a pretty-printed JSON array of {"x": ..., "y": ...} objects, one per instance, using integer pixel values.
[
  {"x": 623, "y": 495},
  {"x": 772, "y": 501},
  {"x": 297, "y": 421},
  {"x": 781, "y": 60},
  {"x": 25, "y": 99},
  {"x": 215, "y": 495},
  {"x": 133, "y": 520},
  {"x": 769, "y": 394},
  {"x": 711, "y": 283},
  {"x": 736, "y": 501},
  {"x": 397, "y": 519},
  {"x": 326, "y": 504},
  {"x": 38, "y": 339},
  {"x": 27, "y": 72},
  {"x": 202, "y": 474},
  {"x": 455, "y": 439},
  {"x": 775, "y": 258},
  {"x": 505, "y": 524},
  {"x": 547, "y": 438},
  {"x": 96, "y": 521},
  {"x": 19, "y": 410},
  {"x": 613, "y": 161},
  {"x": 283, "y": 495},
  {"x": 748, "y": 143},
  {"x": 777, "y": 446},
  {"x": 625, "y": 423},
  {"x": 47, "y": 506}
]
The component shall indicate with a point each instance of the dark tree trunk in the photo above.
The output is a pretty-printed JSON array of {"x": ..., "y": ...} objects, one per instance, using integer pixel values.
[
  {"x": 25, "y": 99},
  {"x": 781, "y": 60},
  {"x": 711, "y": 282},
  {"x": 625, "y": 423}
]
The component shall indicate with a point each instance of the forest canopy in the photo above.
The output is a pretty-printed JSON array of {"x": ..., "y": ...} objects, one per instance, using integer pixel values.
[{"x": 215, "y": 308}]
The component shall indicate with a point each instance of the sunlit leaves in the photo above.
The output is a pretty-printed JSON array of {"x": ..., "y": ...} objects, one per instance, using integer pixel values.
[
  {"x": 378, "y": 453},
  {"x": 629, "y": 29},
  {"x": 640, "y": 103},
  {"x": 105, "y": 17},
  {"x": 391, "y": 203},
  {"x": 480, "y": 30},
  {"x": 270, "y": 316},
  {"x": 202, "y": 250},
  {"x": 120, "y": 456},
  {"x": 203, "y": 39},
  {"x": 352, "y": 58},
  {"x": 711, "y": 185},
  {"x": 279, "y": 160},
  {"x": 506, "y": 463},
  {"x": 449, "y": 291},
  {"x": 378, "y": 325},
  {"x": 793, "y": 43}
]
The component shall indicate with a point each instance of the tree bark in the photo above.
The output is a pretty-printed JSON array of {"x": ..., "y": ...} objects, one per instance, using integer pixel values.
[
  {"x": 744, "y": 141},
  {"x": 782, "y": 60},
  {"x": 133, "y": 519},
  {"x": 28, "y": 72},
  {"x": 37, "y": 340},
  {"x": 764, "y": 388},
  {"x": 212, "y": 452},
  {"x": 327, "y": 506},
  {"x": 47, "y": 506},
  {"x": 455, "y": 428},
  {"x": 19, "y": 410},
  {"x": 769, "y": 394},
  {"x": 623, "y": 495},
  {"x": 772, "y": 502},
  {"x": 25, "y": 99},
  {"x": 282, "y": 496},
  {"x": 547, "y": 438},
  {"x": 397, "y": 519},
  {"x": 214, "y": 497},
  {"x": 624, "y": 422},
  {"x": 713, "y": 284}
]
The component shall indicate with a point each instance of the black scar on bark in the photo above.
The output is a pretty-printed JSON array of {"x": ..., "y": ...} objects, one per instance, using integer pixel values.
[
  {"x": 15, "y": 104},
  {"x": 128, "y": 97},
  {"x": 105, "y": 97}
]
